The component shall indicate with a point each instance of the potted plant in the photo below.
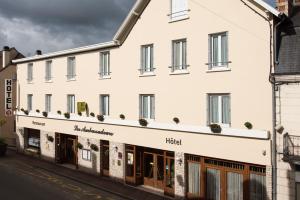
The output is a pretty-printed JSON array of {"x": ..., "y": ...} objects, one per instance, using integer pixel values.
[
  {"x": 67, "y": 115},
  {"x": 22, "y": 109},
  {"x": 50, "y": 138},
  {"x": 37, "y": 110},
  {"x": 94, "y": 147},
  {"x": 92, "y": 114},
  {"x": 248, "y": 125},
  {"x": 122, "y": 116},
  {"x": 3, "y": 147},
  {"x": 26, "y": 112},
  {"x": 143, "y": 122},
  {"x": 215, "y": 128},
  {"x": 79, "y": 146},
  {"x": 45, "y": 114},
  {"x": 100, "y": 118},
  {"x": 59, "y": 112},
  {"x": 80, "y": 113},
  {"x": 176, "y": 120}
]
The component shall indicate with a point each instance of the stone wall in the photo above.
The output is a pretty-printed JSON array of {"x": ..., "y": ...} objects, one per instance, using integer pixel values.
[
  {"x": 180, "y": 185},
  {"x": 116, "y": 160},
  {"x": 47, "y": 147}
]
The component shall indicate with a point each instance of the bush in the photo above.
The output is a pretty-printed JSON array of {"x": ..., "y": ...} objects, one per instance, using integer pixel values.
[
  {"x": 37, "y": 110},
  {"x": 45, "y": 114},
  {"x": 215, "y": 128},
  {"x": 79, "y": 146},
  {"x": 59, "y": 112},
  {"x": 176, "y": 120},
  {"x": 143, "y": 122},
  {"x": 92, "y": 114},
  {"x": 67, "y": 115},
  {"x": 2, "y": 141},
  {"x": 122, "y": 116},
  {"x": 248, "y": 125},
  {"x": 94, "y": 147},
  {"x": 100, "y": 118}
]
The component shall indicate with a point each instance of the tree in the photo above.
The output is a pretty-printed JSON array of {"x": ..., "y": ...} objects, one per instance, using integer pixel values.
[{"x": 2, "y": 122}]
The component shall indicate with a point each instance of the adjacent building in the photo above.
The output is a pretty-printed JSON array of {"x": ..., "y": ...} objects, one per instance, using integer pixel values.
[
  {"x": 8, "y": 78},
  {"x": 178, "y": 102}
]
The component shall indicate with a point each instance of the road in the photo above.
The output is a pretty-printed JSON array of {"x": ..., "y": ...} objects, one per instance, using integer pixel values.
[{"x": 21, "y": 181}]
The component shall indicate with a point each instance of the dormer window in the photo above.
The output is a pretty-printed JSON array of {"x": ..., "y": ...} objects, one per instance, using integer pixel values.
[{"x": 179, "y": 10}]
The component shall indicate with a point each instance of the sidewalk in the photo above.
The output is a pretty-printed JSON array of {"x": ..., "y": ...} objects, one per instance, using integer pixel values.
[{"x": 101, "y": 183}]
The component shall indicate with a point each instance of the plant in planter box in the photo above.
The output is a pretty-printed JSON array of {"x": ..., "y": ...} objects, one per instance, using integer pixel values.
[
  {"x": 94, "y": 147},
  {"x": 215, "y": 128},
  {"x": 59, "y": 112},
  {"x": 248, "y": 125},
  {"x": 37, "y": 110},
  {"x": 122, "y": 116},
  {"x": 26, "y": 112},
  {"x": 92, "y": 114},
  {"x": 67, "y": 115},
  {"x": 80, "y": 113},
  {"x": 176, "y": 120},
  {"x": 22, "y": 109},
  {"x": 143, "y": 122},
  {"x": 50, "y": 138},
  {"x": 79, "y": 146},
  {"x": 100, "y": 118},
  {"x": 3, "y": 147},
  {"x": 45, "y": 114}
]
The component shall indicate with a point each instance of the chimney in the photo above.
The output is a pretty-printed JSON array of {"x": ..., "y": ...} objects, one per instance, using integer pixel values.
[
  {"x": 286, "y": 6},
  {"x": 5, "y": 56},
  {"x": 38, "y": 52}
]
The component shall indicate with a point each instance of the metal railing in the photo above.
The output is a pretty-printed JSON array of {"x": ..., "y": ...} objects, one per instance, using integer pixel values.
[{"x": 291, "y": 147}]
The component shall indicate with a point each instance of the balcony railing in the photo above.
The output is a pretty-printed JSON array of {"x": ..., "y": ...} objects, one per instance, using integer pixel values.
[{"x": 291, "y": 148}]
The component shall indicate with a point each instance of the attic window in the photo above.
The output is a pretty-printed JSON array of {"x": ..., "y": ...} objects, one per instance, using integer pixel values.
[{"x": 179, "y": 10}]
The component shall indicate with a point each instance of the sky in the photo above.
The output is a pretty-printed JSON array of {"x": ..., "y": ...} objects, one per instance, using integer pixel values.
[{"x": 53, "y": 25}]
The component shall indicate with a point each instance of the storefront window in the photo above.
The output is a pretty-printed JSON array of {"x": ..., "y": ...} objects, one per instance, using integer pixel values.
[
  {"x": 130, "y": 164},
  {"x": 234, "y": 186},
  {"x": 213, "y": 184},
  {"x": 194, "y": 179},
  {"x": 257, "y": 187},
  {"x": 33, "y": 139}
]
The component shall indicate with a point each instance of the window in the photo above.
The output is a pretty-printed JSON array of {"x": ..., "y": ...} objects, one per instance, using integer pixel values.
[
  {"x": 48, "y": 70},
  {"x": 179, "y": 55},
  {"x": 179, "y": 10},
  {"x": 147, "y": 106},
  {"x": 194, "y": 178},
  {"x": 104, "y": 64},
  {"x": 71, "y": 71},
  {"x": 146, "y": 59},
  {"x": 257, "y": 187},
  {"x": 213, "y": 184},
  {"x": 71, "y": 103},
  {"x": 218, "y": 50},
  {"x": 234, "y": 185},
  {"x": 104, "y": 104},
  {"x": 33, "y": 138},
  {"x": 29, "y": 102},
  {"x": 30, "y": 72},
  {"x": 219, "y": 109},
  {"x": 48, "y": 102},
  {"x": 86, "y": 154}
]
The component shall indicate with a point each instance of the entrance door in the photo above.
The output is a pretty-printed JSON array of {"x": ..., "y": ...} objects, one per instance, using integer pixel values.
[
  {"x": 170, "y": 176},
  {"x": 154, "y": 170},
  {"x": 71, "y": 151},
  {"x": 105, "y": 157},
  {"x": 65, "y": 149}
]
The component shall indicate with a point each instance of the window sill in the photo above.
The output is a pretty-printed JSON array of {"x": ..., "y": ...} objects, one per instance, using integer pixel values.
[
  {"x": 180, "y": 72},
  {"x": 218, "y": 69},
  {"x": 145, "y": 74},
  {"x": 29, "y": 82},
  {"x": 104, "y": 77},
  {"x": 50, "y": 81},
  {"x": 181, "y": 18},
  {"x": 222, "y": 125},
  {"x": 71, "y": 79}
]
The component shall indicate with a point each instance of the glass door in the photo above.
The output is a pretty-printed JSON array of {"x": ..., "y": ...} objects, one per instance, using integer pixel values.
[
  {"x": 105, "y": 157},
  {"x": 170, "y": 176},
  {"x": 149, "y": 169},
  {"x": 213, "y": 184}
]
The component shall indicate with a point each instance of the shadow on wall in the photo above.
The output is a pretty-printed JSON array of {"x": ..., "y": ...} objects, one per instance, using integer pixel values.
[{"x": 94, "y": 162}]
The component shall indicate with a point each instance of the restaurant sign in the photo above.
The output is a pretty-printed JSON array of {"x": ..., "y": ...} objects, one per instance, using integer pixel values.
[{"x": 91, "y": 130}]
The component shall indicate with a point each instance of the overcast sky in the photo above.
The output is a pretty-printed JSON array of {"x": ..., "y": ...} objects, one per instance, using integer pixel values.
[{"x": 52, "y": 25}]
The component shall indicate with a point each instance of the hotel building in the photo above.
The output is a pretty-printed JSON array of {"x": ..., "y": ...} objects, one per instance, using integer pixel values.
[{"x": 178, "y": 101}]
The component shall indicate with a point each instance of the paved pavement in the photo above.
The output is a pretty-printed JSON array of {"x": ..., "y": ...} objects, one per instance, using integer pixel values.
[{"x": 23, "y": 177}]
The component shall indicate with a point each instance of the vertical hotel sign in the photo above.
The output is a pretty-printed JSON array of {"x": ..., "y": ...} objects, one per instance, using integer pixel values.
[{"x": 8, "y": 97}]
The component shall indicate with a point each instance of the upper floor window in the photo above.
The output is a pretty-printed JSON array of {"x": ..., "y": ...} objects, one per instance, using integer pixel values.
[
  {"x": 48, "y": 98},
  {"x": 48, "y": 71},
  {"x": 179, "y": 61},
  {"x": 146, "y": 59},
  {"x": 179, "y": 9},
  {"x": 71, "y": 103},
  {"x": 71, "y": 70},
  {"x": 29, "y": 102},
  {"x": 218, "y": 50},
  {"x": 147, "y": 106},
  {"x": 30, "y": 72},
  {"x": 104, "y": 105},
  {"x": 104, "y": 64},
  {"x": 219, "y": 109}
]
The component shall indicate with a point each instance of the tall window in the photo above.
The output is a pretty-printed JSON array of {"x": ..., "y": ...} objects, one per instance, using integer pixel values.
[
  {"x": 48, "y": 71},
  {"x": 147, "y": 106},
  {"x": 147, "y": 58},
  {"x": 71, "y": 70},
  {"x": 179, "y": 55},
  {"x": 29, "y": 102},
  {"x": 257, "y": 187},
  {"x": 218, "y": 50},
  {"x": 219, "y": 109},
  {"x": 104, "y": 64},
  {"x": 29, "y": 72},
  {"x": 71, "y": 103},
  {"x": 104, "y": 104},
  {"x": 179, "y": 9},
  {"x": 48, "y": 102}
]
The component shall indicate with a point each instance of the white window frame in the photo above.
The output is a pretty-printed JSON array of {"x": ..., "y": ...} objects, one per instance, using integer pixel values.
[
  {"x": 150, "y": 106},
  {"x": 147, "y": 59},
  {"x": 48, "y": 102},
  {"x": 48, "y": 71},
  {"x": 177, "y": 14},
  {"x": 179, "y": 59},
  {"x": 29, "y": 102},
  {"x": 220, "y": 110},
  {"x": 104, "y": 110},
  {"x": 71, "y": 68},
  {"x": 104, "y": 70},
  {"x": 71, "y": 106},
  {"x": 86, "y": 154},
  {"x": 220, "y": 64},
  {"x": 30, "y": 72}
]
